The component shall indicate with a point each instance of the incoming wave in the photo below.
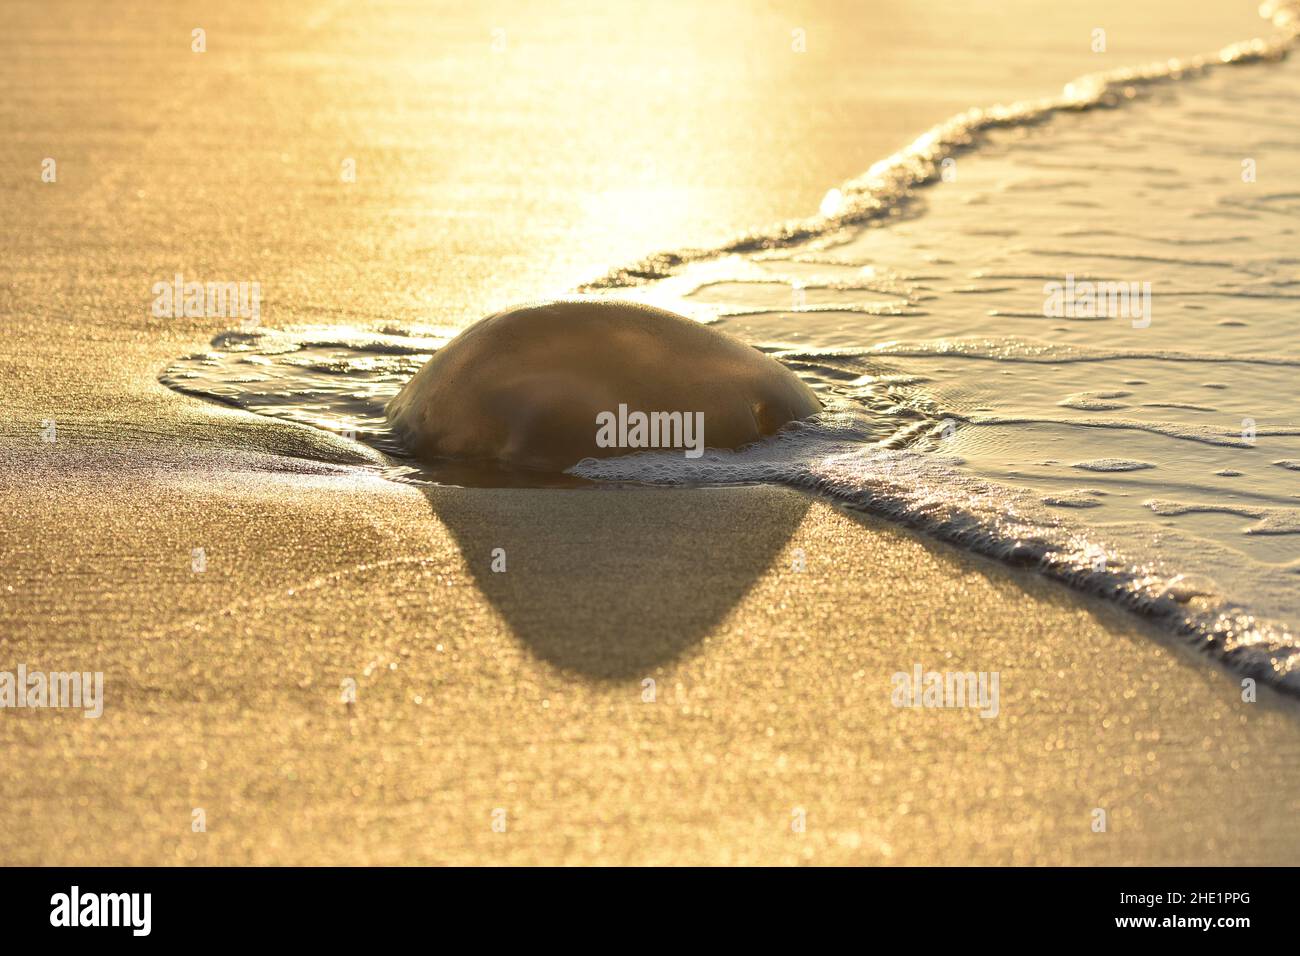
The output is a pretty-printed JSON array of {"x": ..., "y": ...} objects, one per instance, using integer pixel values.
[{"x": 887, "y": 185}]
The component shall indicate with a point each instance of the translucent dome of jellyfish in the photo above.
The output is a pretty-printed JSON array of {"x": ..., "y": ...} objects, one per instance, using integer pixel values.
[{"x": 543, "y": 386}]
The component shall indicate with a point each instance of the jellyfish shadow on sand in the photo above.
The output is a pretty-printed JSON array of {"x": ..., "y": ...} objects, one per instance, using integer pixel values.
[{"x": 609, "y": 583}]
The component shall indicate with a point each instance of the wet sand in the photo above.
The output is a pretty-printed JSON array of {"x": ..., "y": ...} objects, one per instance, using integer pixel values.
[{"x": 519, "y": 691}]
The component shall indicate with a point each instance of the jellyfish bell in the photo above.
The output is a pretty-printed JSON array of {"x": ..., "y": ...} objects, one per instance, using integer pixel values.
[{"x": 545, "y": 385}]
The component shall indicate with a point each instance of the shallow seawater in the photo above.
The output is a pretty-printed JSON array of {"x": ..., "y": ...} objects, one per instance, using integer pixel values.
[
  {"x": 338, "y": 379},
  {"x": 1152, "y": 456}
]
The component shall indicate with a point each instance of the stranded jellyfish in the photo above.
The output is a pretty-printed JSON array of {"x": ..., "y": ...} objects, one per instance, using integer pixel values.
[{"x": 543, "y": 386}]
